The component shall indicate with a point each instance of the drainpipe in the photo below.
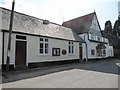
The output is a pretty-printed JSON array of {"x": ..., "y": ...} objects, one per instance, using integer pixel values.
[
  {"x": 86, "y": 47},
  {"x": 3, "y": 49}
]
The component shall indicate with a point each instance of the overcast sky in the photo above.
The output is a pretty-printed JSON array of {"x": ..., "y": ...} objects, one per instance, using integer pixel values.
[{"x": 58, "y": 11}]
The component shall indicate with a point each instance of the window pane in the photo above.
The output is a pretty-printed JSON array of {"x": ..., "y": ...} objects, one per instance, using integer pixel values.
[
  {"x": 41, "y": 51},
  {"x": 46, "y": 51},
  {"x": 72, "y": 49},
  {"x": 104, "y": 52},
  {"x": 98, "y": 38},
  {"x": 69, "y": 43},
  {"x": 41, "y": 39},
  {"x": 41, "y": 48},
  {"x": 46, "y": 45},
  {"x": 69, "y": 49},
  {"x": 46, "y": 40},
  {"x": 92, "y": 52},
  {"x": 41, "y": 45}
]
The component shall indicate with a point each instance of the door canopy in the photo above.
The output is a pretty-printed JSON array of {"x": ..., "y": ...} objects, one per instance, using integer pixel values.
[{"x": 100, "y": 46}]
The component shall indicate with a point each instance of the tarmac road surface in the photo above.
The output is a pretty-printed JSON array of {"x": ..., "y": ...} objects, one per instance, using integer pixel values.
[{"x": 89, "y": 75}]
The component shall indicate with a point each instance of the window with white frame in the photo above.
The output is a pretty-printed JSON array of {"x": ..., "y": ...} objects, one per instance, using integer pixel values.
[
  {"x": 92, "y": 36},
  {"x": 98, "y": 38},
  {"x": 104, "y": 52},
  {"x": 43, "y": 46},
  {"x": 92, "y": 52},
  {"x": 70, "y": 47}
]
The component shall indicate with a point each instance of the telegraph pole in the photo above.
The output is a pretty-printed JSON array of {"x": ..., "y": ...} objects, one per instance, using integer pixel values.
[{"x": 9, "y": 38}]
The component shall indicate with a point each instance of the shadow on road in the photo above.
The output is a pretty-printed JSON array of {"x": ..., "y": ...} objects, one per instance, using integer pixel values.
[
  {"x": 98, "y": 66},
  {"x": 111, "y": 67}
]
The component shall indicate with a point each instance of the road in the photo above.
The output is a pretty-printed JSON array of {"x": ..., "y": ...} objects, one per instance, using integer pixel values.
[
  {"x": 0, "y": 80},
  {"x": 87, "y": 75}
]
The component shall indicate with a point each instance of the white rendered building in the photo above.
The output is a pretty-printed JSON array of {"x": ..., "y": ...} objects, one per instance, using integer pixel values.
[
  {"x": 35, "y": 41},
  {"x": 88, "y": 28}
]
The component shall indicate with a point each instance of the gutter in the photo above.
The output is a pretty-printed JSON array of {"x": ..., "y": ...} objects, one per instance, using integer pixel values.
[{"x": 18, "y": 32}]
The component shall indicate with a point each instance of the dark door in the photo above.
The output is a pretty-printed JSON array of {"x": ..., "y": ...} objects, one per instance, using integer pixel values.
[
  {"x": 20, "y": 53},
  {"x": 80, "y": 52}
]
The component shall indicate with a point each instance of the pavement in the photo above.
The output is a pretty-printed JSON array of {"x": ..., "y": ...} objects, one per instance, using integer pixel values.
[{"x": 95, "y": 74}]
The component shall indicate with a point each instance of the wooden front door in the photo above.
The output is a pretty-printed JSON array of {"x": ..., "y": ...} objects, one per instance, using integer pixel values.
[
  {"x": 80, "y": 52},
  {"x": 20, "y": 59}
]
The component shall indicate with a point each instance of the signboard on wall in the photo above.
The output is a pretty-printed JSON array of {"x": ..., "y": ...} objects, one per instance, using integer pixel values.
[{"x": 56, "y": 51}]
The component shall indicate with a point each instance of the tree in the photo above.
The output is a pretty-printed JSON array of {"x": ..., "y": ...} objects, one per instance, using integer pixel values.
[
  {"x": 108, "y": 27},
  {"x": 113, "y": 35},
  {"x": 116, "y": 28}
]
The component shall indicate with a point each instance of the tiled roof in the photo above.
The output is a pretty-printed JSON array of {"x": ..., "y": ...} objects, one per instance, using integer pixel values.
[
  {"x": 81, "y": 24},
  {"x": 31, "y": 25}
]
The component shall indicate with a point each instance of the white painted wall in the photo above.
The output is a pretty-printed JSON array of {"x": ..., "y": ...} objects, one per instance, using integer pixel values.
[
  {"x": 110, "y": 51},
  {"x": 1, "y": 35},
  {"x": 84, "y": 37},
  {"x": 1, "y": 48},
  {"x": 12, "y": 53},
  {"x": 92, "y": 45},
  {"x": 84, "y": 50},
  {"x": 33, "y": 50},
  {"x": 95, "y": 29},
  {"x": 53, "y": 43}
]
